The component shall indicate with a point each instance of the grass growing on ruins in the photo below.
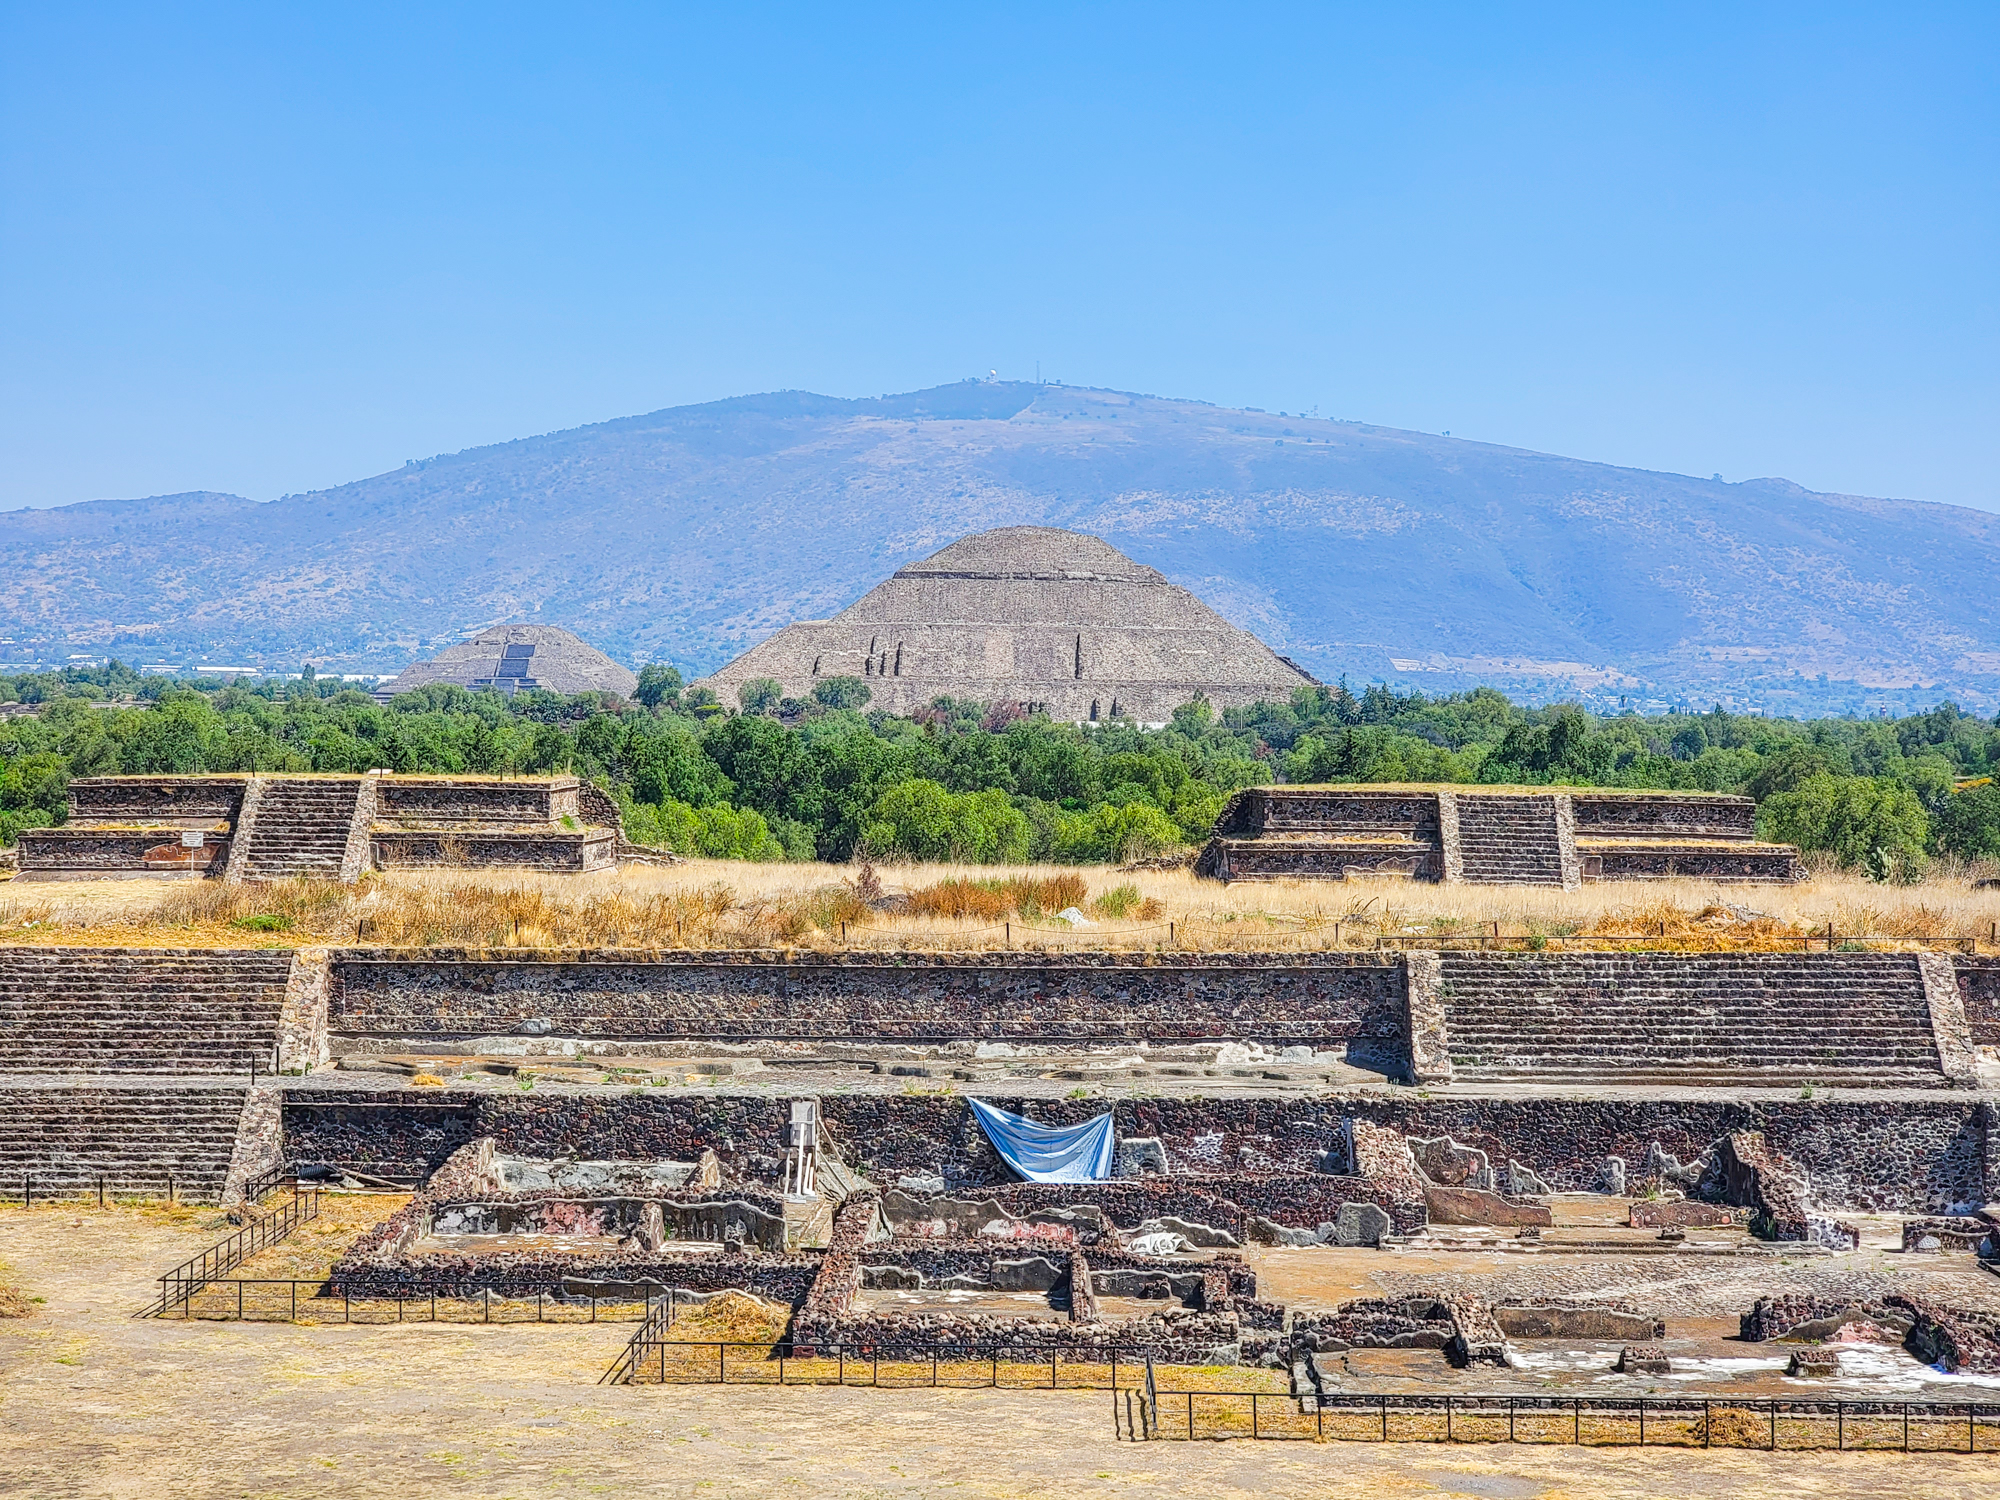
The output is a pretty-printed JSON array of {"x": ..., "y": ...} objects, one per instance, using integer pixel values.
[{"x": 728, "y": 904}]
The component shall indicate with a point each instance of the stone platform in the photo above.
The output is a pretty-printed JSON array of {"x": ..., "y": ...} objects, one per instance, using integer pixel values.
[
  {"x": 257, "y": 827},
  {"x": 1491, "y": 836}
]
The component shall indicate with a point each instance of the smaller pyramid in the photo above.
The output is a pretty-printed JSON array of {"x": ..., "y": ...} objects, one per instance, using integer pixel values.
[{"x": 516, "y": 658}]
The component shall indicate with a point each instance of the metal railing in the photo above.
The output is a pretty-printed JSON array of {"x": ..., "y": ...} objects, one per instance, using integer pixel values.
[
  {"x": 654, "y": 1356},
  {"x": 256, "y": 1299},
  {"x": 267, "y": 1179},
  {"x": 1774, "y": 1424},
  {"x": 189, "y": 1277},
  {"x": 54, "y": 1187}
]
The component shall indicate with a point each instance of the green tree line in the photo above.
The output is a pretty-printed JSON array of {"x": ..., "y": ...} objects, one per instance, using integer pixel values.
[{"x": 828, "y": 778}]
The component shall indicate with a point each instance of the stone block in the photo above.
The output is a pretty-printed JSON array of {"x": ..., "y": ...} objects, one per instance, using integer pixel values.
[
  {"x": 1447, "y": 1163},
  {"x": 1523, "y": 1182},
  {"x": 1361, "y": 1224},
  {"x": 1815, "y": 1360},
  {"x": 1643, "y": 1359},
  {"x": 1140, "y": 1155},
  {"x": 1202, "y": 1236},
  {"x": 1269, "y": 1232},
  {"x": 1472, "y": 1206}
]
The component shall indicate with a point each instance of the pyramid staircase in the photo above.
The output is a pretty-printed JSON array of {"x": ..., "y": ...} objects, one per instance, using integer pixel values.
[
  {"x": 102, "y": 1010},
  {"x": 295, "y": 826},
  {"x": 1857, "y": 1020},
  {"x": 151, "y": 1137},
  {"x": 131, "y": 1066},
  {"x": 1511, "y": 840}
]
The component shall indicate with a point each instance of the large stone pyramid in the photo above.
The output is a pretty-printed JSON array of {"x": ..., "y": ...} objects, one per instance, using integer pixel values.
[
  {"x": 514, "y": 658},
  {"x": 1056, "y": 620}
]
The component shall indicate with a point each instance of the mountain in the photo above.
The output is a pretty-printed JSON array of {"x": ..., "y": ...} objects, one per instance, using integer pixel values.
[{"x": 689, "y": 534}]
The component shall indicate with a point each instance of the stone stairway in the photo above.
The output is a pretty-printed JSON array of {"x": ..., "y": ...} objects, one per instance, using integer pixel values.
[
  {"x": 299, "y": 826},
  {"x": 1509, "y": 840},
  {"x": 1848, "y": 1019},
  {"x": 136, "y": 1136},
  {"x": 97, "y": 1010}
]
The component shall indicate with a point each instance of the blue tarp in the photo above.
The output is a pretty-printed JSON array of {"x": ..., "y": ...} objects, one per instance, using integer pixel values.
[{"x": 1049, "y": 1153}]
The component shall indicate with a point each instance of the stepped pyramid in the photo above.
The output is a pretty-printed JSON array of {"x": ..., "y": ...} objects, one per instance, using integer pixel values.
[
  {"x": 1052, "y": 619},
  {"x": 512, "y": 658}
]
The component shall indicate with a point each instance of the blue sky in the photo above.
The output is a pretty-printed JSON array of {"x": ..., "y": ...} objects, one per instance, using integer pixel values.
[{"x": 272, "y": 249}]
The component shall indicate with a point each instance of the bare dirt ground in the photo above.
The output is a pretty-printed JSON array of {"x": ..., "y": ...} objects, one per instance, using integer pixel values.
[{"x": 94, "y": 1403}]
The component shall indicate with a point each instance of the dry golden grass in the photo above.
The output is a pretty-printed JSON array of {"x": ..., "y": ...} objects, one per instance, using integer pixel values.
[
  {"x": 735, "y": 1318},
  {"x": 996, "y": 899},
  {"x": 308, "y": 1252},
  {"x": 14, "y": 1302},
  {"x": 720, "y": 904}
]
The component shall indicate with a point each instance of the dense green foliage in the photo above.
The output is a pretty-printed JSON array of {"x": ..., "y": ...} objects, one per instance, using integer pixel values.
[{"x": 826, "y": 778}]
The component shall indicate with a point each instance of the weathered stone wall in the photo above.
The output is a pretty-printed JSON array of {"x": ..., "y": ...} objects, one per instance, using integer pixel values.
[
  {"x": 439, "y": 799},
  {"x": 1979, "y": 988},
  {"x": 386, "y": 1135},
  {"x": 1886, "y": 1155},
  {"x": 555, "y": 850},
  {"x": 188, "y": 801},
  {"x": 1699, "y": 815},
  {"x": 87, "y": 853},
  {"x": 1317, "y": 999},
  {"x": 1762, "y": 865}
]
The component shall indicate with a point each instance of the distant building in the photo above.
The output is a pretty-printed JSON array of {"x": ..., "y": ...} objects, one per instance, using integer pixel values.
[
  {"x": 515, "y": 658},
  {"x": 1054, "y": 620}
]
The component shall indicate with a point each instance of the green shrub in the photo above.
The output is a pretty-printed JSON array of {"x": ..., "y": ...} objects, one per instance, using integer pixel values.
[
  {"x": 717, "y": 831},
  {"x": 1968, "y": 824},
  {"x": 1866, "y": 823},
  {"x": 760, "y": 695},
  {"x": 841, "y": 692},
  {"x": 919, "y": 819}
]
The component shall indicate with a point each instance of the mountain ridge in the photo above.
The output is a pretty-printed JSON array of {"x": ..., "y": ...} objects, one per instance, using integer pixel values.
[{"x": 691, "y": 532}]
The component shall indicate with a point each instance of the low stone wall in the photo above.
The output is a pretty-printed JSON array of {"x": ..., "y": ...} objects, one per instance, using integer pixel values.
[
  {"x": 385, "y": 1134},
  {"x": 1709, "y": 815},
  {"x": 447, "y": 799},
  {"x": 1353, "y": 810},
  {"x": 1764, "y": 864},
  {"x": 1907, "y": 1155},
  {"x": 1463, "y": 1327},
  {"x": 98, "y": 853},
  {"x": 1963, "y": 1234},
  {"x": 1684, "y": 1213},
  {"x": 1313, "y": 999},
  {"x": 1962, "y": 1340},
  {"x": 188, "y": 801},
  {"x": 1566, "y": 1318},
  {"x": 554, "y": 850}
]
